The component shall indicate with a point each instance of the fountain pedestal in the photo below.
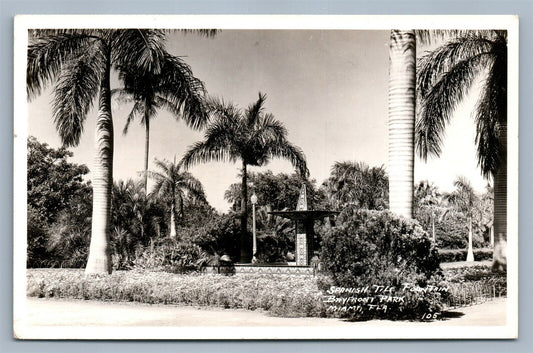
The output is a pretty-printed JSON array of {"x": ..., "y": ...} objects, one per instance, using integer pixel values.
[{"x": 304, "y": 225}]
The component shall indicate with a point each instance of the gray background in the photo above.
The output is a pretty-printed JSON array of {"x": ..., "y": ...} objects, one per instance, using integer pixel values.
[{"x": 523, "y": 8}]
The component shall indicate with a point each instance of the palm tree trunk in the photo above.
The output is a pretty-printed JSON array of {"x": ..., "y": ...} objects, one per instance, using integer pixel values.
[
  {"x": 433, "y": 227},
  {"x": 402, "y": 81},
  {"x": 99, "y": 260},
  {"x": 499, "y": 261},
  {"x": 173, "y": 218},
  {"x": 146, "y": 151},
  {"x": 245, "y": 253},
  {"x": 470, "y": 251}
]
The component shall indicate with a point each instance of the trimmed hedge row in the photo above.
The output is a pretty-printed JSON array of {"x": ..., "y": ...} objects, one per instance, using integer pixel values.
[
  {"x": 455, "y": 255},
  {"x": 280, "y": 295}
]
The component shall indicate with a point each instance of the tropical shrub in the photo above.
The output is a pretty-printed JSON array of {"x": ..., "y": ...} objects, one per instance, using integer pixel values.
[
  {"x": 219, "y": 235},
  {"x": 455, "y": 255},
  {"x": 377, "y": 248},
  {"x": 171, "y": 255}
]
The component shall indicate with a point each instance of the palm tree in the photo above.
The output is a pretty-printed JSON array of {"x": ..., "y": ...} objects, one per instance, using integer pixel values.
[
  {"x": 444, "y": 78},
  {"x": 173, "y": 88},
  {"x": 252, "y": 136},
  {"x": 358, "y": 184},
  {"x": 464, "y": 200},
  {"x": 174, "y": 186},
  {"x": 427, "y": 196},
  {"x": 79, "y": 62}
]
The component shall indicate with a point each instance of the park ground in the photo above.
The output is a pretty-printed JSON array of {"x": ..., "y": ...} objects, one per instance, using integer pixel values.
[{"x": 54, "y": 312}]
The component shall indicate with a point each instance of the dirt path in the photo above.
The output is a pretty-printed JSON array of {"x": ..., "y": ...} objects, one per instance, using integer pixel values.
[{"x": 50, "y": 312}]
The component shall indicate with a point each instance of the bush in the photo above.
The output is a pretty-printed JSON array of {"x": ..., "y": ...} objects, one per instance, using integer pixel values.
[
  {"x": 218, "y": 236},
  {"x": 171, "y": 255},
  {"x": 469, "y": 284},
  {"x": 377, "y": 248},
  {"x": 455, "y": 255}
]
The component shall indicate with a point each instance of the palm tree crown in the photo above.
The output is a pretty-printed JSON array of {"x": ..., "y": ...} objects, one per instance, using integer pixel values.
[
  {"x": 251, "y": 136},
  {"x": 173, "y": 88}
]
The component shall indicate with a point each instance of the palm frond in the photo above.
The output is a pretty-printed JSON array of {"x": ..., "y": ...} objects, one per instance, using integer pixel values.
[
  {"x": 254, "y": 110},
  {"x": 77, "y": 86},
  {"x": 491, "y": 117},
  {"x": 290, "y": 152},
  {"x": 139, "y": 48},
  {"x": 138, "y": 109},
  {"x": 434, "y": 65},
  {"x": 202, "y": 32},
  {"x": 440, "y": 101},
  {"x": 47, "y": 55},
  {"x": 201, "y": 152}
]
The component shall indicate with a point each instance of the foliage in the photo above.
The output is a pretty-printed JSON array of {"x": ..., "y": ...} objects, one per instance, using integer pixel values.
[
  {"x": 276, "y": 191},
  {"x": 59, "y": 207},
  {"x": 170, "y": 255},
  {"x": 218, "y": 236},
  {"x": 53, "y": 181},
  {"x": 468, "y": 284},
  {"x": 37, "y": 254},
  {"x": 378, "y": 248},
  {"x": 356, "y": 183},
  {"x": 455, "y": 255},
  {"x": 451, "y": 231},
  {"x": 280, "y": 295},
  {"x": 449, "y": 213}
]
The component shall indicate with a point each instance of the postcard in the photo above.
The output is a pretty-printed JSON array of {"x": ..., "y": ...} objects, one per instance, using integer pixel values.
[{"x": 265, "y": 177}]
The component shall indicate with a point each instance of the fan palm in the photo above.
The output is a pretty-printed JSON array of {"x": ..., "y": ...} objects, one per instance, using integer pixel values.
[
  {"x": 444, "y": 78},
  {"x": 79, "y": 62},
  {"x": 252, "y": 136},
  {"x": 173, "y": 88},
  {"x": 174, "y": 186}
]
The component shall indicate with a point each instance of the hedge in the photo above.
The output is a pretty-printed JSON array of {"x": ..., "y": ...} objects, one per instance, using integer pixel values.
[{"x": 455, "y": 255}]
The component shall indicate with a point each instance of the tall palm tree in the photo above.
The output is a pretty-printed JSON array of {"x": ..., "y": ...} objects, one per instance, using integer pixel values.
[
  {"x": 173, "y": 88},
  {"x": 444, "y": 78},
  {"x": 402, "y": 80},
  {"x": 358, "y": 184},
  {"x": 252, "y": 136},
  {"x": 464, "y": 200},
  {"x": 174, "y": 186},
  {"x": 79, "y": 63}
]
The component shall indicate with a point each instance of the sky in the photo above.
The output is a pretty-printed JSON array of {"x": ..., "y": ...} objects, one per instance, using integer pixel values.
[{"x": 329, "y": 88}]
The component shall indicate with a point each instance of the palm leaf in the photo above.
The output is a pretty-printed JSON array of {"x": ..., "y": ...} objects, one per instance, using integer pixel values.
[
  {"x": 48, "y": 53},
  {"x": 77, "y": 86}
]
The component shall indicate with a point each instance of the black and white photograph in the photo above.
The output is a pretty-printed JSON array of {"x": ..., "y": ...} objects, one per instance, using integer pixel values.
[{"x": 265, "y": 177}]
